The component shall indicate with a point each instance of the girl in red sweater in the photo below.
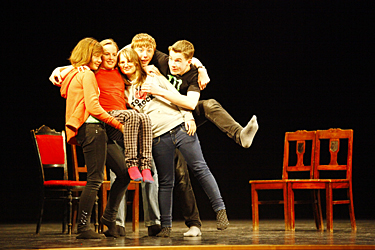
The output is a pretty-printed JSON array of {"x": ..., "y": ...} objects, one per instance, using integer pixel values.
[{"x": 85, "y": 120}]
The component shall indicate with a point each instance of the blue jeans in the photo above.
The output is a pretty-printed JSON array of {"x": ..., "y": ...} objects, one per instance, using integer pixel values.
[
  {"x": 149, "y": 194},
  {"x": 163, "y": 150}
]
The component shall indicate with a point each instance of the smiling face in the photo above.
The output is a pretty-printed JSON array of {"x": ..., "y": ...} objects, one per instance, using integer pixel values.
[
  {"x": 95, "y": 62},
  {"x": 178, "y": 64},
  {"x": 145, "y": 54},
  {"x": 109, "y": 56},
  {"x": 127, "y": 67}
]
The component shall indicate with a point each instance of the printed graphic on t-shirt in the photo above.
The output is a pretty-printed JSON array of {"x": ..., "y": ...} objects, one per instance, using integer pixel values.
[
  {"x": 139, "y": 94},
  {"x": 175, "y": 82},
  {"x": 142, "y": 98}
]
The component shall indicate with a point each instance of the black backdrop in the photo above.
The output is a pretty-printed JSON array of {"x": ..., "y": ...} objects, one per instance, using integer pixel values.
[{"x": 295, "y": 64}]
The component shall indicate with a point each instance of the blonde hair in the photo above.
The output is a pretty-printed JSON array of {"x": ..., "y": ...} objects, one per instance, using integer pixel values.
[
  {"x": 83, "y": 51},
  {"x": 109, "y": 41},
  {"x": 143, "y": 40},
  {"x": 132, "y": 56},
  {"x": 184, "y": 47}
]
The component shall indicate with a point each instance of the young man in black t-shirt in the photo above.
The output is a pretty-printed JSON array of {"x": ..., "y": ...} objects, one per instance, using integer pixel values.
[{"x": 177, "y": 68}]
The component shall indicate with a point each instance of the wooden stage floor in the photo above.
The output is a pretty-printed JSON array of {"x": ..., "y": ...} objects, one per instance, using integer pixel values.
[{"x": 238, "y": 236}]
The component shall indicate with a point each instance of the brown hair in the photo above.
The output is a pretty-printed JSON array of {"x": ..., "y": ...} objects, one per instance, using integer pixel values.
[
  {"x": 132, "y": 56},
  {"x": 143, "y": 40},
  {"x": 184, "y": 47},
  {"x": 83, "y": 51}
]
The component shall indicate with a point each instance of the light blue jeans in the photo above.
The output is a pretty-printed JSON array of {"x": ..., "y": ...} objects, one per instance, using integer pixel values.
[
  {"x": 163, "y": 150},
  {"x": 149, "y": 197}
]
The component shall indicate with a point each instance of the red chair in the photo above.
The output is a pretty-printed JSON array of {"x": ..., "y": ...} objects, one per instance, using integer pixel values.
[
  {"x": 299, "y": 138},
  {"x": 50, "y": 147},
  {"x": 334, "y": 137}
]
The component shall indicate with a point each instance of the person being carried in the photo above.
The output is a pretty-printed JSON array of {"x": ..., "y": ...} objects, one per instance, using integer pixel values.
[
  {"x": 205, "y": 110},
  {"x": 137, "y": 136}
]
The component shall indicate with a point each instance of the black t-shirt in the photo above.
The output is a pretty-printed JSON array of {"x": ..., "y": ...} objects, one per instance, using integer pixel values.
[{"x": 186, "y": 82}]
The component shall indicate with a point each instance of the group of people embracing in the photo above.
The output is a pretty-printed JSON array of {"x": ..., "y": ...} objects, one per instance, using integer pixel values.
[{"x": 136, "y": 110}]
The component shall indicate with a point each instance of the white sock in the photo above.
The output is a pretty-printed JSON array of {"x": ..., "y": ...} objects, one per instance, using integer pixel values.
[
  {"x": 193, "y": 232},
  {"x": 248, "y": 132}
]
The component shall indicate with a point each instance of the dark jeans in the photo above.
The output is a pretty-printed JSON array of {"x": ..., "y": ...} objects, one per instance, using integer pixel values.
[
  {"x": 93, "y": 140},
  {"x": 184, "y": 191},
  {"x": 206, "y": 110},
  {"x": 212, "y": 111},
  {"x": 163, "y": 152},
  {"x": 116, "y": 163}
]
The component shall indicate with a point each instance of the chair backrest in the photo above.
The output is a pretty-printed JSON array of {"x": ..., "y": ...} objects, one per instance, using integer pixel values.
[
  {"x": 76, "y": 168},
  {"x": 301, "y": 138},
  {"x": 51, "y": 150},
  {"x": 334, "y": 136}
]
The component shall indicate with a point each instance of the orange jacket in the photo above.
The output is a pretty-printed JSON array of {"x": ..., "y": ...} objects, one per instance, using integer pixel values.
[{"x": 81, "y": 92}]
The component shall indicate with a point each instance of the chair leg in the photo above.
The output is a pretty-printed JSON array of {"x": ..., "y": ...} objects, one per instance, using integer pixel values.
[
  {"x": 351, "y": 209},
  {"x": 317, "y": 209},
  {"x": 291, "y": 207},
  {"x": 64, "y": 222},
  {"x": 329, "y": 205},
  {"x": 254, "y": 208},
  {"x": 70, "y": 204},
  {"x": 75, "y": 214},
  {"x": 102, "y": 206},
  {"x": 286, "y": 207},
  {"x": 41, "y": 205},
  {"x": 96, "y": 215},
  {"x": 135, "y": 216}
]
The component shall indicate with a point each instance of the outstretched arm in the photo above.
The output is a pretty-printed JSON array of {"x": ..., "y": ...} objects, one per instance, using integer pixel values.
[
  {"x": 188, "y": 101},
  {"x": 59, "y": 73}
]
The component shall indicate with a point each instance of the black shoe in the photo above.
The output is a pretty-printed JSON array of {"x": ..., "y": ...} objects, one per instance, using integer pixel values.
[
  {"x": 112, "y": 230},
  {"x": 165, "y": 232},
  {"x": 90, "y": 234},
  {"x": 120, "y": 230},
  {"x": 154, "y": 230}
]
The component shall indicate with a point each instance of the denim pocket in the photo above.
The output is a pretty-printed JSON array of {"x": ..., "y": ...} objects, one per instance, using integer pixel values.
[{"x": 155, "y": 141}]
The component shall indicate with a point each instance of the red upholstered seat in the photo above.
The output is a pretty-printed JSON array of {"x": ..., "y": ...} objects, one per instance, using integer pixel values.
[
  {"x": 50, "y": 147},
  {"x": 64, "y": 183}
]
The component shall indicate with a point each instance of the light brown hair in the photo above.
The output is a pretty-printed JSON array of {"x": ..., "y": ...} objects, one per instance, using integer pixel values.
[
  {"x": 184, "y": 47},
  {"x": 84, "y": 50},
  {"x": 132, "y": 56},
  {"x": 143, "y": 40}
]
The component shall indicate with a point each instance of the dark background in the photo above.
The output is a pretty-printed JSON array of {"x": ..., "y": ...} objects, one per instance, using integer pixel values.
[{"x": 295, "y": 64}]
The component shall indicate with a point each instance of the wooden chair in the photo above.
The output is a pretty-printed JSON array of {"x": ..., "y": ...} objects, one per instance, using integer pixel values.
[
  {"x": 103, "y": 193},
  {"x": 334, "y": 137},
  {"x": 133, "y": 186},
  {"x": 50, "y": 147},
  {"x": 299, "y": 138}
]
